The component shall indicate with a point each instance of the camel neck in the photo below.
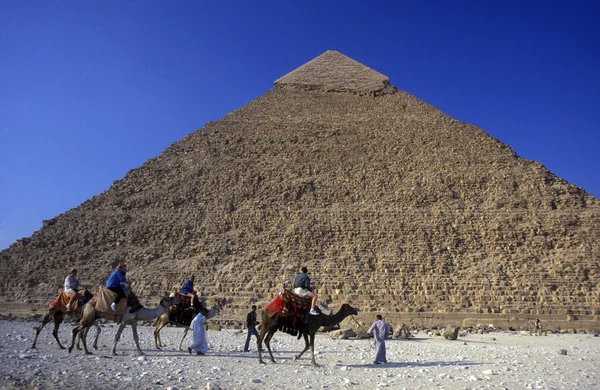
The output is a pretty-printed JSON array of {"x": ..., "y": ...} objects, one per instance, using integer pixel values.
[
  {"x": 150, "y": 314},
  {"x": 333, "y": 319}
]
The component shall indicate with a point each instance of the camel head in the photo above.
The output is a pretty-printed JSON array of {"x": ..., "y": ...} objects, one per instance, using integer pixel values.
[
  {"x": 169, "y": 301},
  {"x": 221, "y": 302},
  {"x": 349, "y": 310}
]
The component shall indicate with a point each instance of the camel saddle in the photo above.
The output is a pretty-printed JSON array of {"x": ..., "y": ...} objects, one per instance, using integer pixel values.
[
  {"x": 105, "y": 297},
  {"x": 292, "y": 311},
  {"x": 60, "y": 302},
  {"x": 183, "y": 313}
]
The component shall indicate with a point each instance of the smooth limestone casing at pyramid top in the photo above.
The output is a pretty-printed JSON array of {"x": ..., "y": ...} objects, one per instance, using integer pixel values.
[{"x": 393, "y": 206}]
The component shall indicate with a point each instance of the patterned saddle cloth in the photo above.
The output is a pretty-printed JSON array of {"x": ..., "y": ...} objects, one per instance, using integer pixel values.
[
  {"x": 183, "y": 313},
  {"x": 291, "y": 309}
]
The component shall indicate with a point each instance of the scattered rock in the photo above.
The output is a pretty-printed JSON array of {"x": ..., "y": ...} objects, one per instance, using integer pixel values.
[
  {"x": 402, "y": 332},
  {"x": 342, "y": 334},
  {"x": 451, "y": 332}
]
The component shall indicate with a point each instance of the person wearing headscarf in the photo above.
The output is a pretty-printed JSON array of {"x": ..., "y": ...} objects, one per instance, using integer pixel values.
[{"x": 200, "y": 345}]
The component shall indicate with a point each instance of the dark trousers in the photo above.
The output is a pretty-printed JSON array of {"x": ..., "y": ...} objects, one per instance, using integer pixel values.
[
  {"x": 120, "y": 293},
  {"x": 251, "y": 331}
]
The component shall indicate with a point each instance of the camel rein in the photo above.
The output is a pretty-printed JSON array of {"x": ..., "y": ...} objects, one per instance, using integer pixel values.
[
  {"x": 221, "y": 309},
  {"x": 360, "y": 326}
]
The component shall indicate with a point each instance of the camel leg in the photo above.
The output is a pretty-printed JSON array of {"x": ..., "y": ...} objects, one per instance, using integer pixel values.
[
  {"x": 78, "y": 344},
  {"x": 45, "y": 320},
  {"x": 312, "y": 349},
  {"x": 87, "y": 330},
  {"x": 74, "y": 332},
  {"x": 83, "y": 338},
  {"x": 118, "y": 337},
  {"x": 306, "y": 345},
  {"x": 57, "y": 321},
  {"x": 263, "y": 332},
  {"x": 268, "y": 342},
  {"x": 82, "y": 333},
  {"x": 157, "y": 341},
  {"x": 95, "y": 346},
  {"x": 185, "y": 332},
  {"x": 136, "y": 338},
  {"x": 78, "y": 332}
]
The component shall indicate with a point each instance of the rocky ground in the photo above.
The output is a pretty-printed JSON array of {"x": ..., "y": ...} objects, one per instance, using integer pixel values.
[{"x": 511, "y": 360}]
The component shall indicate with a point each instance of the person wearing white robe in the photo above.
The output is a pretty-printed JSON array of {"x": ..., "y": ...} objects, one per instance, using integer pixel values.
[{"x": 199, "y": 345}]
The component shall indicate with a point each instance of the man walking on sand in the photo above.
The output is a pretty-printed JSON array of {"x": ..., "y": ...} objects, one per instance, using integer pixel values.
[
  {"x": 381, "y": 330},
  {"x": 251, "y": 324}
]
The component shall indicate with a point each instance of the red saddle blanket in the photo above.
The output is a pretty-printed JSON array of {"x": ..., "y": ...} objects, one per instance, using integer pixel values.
[{"x": 274, "y": 306}]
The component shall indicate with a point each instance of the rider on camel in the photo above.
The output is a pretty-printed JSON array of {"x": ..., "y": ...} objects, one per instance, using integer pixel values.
[
  {"x": 118, "y": 283},
  {"x": 303, "y": 288},
  {"x": 188, "y": 289},
  {"x": 72, "y": 287}
]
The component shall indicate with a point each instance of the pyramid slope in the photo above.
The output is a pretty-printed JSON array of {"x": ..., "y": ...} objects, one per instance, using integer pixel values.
[
  {"x": 392, "y": 205},
  {"x": 333, "y": 71}
]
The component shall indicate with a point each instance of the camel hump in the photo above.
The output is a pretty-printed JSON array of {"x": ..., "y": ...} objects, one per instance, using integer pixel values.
[{"x": 105, "y": 297}]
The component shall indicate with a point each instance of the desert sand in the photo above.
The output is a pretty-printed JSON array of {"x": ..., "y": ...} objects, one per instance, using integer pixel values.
[{"x": 497, "y": 360}]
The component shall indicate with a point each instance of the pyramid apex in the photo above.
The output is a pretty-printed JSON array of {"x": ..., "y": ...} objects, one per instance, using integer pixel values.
[{"x": 333, "y": 71}]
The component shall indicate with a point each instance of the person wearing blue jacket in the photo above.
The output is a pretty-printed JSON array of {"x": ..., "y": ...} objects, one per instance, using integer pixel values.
[
  {"x": 188, "y": 289},
  {"x": 118, "y": 283}
]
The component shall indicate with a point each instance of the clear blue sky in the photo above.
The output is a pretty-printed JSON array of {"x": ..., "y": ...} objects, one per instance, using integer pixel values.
[{"x": 92, "y": 89}]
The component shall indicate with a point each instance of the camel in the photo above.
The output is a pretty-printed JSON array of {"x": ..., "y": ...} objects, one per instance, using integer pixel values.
[
  {"x": 90, "y": 315},
  {"x": 269, "y": 326},
  {"x": 59, "y": 317},
  {"x": 163, "y": 320}
]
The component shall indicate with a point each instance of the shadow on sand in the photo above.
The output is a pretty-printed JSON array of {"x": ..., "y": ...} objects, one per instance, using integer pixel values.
[{"x": 410, "y": 364}]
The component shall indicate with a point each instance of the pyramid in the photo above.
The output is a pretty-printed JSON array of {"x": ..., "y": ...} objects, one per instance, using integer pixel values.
[
  {"x": 393, "y": 206},
  {"x": 334, "y": 72}
]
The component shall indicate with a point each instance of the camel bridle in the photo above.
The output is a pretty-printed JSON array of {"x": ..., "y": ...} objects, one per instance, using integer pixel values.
[
  {"x": 371, "y": 346},
  {"x": 166, "y": 307}
]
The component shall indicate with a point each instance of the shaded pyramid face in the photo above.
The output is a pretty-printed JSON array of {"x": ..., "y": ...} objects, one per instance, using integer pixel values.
[{"x": 392, "y": 205}]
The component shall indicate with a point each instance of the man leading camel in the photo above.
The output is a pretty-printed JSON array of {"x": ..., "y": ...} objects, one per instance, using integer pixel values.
[
  {"x": 380, "y": 331},
  {"x": 302, "y": 287},
  {"x": 72, "y": 287},
  {"x": 199, "y": 344},
  {"x": 118, "y": 283}
]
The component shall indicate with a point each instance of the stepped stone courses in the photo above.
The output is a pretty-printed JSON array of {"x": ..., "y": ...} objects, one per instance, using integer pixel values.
[
  {"x": 334, "y": 72},
  {"x": 393, "y": 206}
]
